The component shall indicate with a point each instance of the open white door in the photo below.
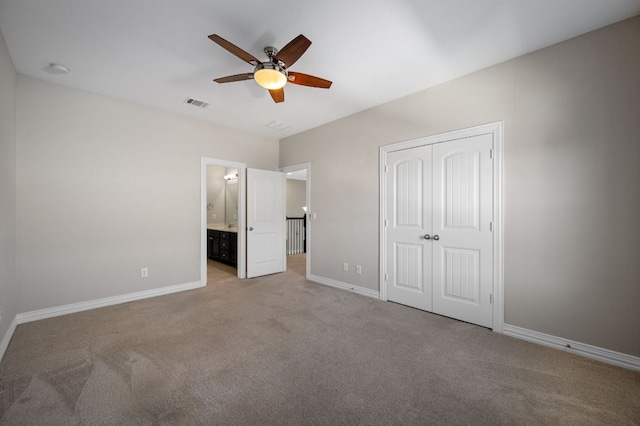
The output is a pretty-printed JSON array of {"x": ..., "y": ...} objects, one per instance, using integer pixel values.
[{"x": 266, "y": 222}]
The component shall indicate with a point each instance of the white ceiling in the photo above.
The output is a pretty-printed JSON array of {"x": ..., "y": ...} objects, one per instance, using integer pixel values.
[{"x": 156, "y": 52}]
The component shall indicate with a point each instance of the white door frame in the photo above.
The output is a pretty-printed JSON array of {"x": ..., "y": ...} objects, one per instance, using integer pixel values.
[
  {"x": 307, "y": 167},
  {"x": 497, "y": 130},
  {"x": 242, "y": 214}
]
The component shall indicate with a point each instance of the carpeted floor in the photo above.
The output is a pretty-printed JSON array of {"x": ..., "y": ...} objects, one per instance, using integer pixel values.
[{"x": 280, "y": 350}]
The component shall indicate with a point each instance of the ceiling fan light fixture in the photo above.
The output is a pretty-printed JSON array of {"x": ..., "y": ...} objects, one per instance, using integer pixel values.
[
  {"x": 270, "y": 76},
  {"x": 273, "y": 74}
]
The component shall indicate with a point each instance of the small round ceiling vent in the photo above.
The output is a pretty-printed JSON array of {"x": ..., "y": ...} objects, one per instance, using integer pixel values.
[{"x": 56, "y": 69}]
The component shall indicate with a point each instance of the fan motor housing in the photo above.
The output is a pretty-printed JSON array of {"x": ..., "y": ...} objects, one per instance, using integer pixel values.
[{"x": 270, "y": 66}]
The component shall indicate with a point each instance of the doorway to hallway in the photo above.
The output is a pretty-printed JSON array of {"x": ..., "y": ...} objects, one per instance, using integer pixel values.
[{"x": 299, "y": 207}]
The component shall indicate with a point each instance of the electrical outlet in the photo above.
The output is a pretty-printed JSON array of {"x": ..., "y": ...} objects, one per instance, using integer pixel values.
[
  {"x": 345, "y": 267},
  {"x": 144, "y": 272},
  {"x": 358, "y": 269}
]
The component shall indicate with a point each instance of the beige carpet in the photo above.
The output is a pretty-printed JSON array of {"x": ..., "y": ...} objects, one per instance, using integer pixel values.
[{"x": 280, "y": 350}]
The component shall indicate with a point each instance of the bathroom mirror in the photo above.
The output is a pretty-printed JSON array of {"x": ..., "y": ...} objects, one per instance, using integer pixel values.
[{"x": 231, "y": 202}]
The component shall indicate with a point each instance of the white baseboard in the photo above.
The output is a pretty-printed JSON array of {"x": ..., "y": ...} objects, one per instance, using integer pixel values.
[
  {"x": 89, "y": 304},
  {"x": 4, "y": 344},
  {"x": 107, "y": 301},
  {"x": 344, "y": 286},
  {"x": 588, "y": 351}
]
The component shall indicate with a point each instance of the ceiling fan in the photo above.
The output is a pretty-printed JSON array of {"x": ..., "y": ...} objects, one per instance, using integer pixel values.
[{"x": 274, "y": 73}]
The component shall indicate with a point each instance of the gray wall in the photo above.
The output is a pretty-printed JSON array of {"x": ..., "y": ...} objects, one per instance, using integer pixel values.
[
  {"x": 105, "y": 187},
  {"x": 7, "y": 189},
  {"x": 572, "y": 181},
  {"x": 296, "y": 197}
]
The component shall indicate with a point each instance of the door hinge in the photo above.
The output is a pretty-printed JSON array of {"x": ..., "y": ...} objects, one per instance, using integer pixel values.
[
  {"x": 385, "y": 278},
  {"x": 386, "y": 168},
  {"x": 491, "y": 154},
  {"x": 491, "y": 299},
  {"x": 491, "y": 226},
  {"x": 386, "y": 223}
]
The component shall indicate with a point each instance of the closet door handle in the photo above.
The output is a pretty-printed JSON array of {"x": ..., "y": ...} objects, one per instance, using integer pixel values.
[
  {"x": 436, "y": 237},
  {"x": 427, "y": 237}
]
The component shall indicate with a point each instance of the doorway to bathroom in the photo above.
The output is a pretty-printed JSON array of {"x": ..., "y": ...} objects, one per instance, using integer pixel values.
[
  {"x": 223, "y": 218},
  {"x": 222, "y": 223}
]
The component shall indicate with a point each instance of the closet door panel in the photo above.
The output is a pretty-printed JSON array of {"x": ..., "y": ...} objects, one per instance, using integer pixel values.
[
  {"x": 408, "y": 220},
  {"x": 463, "y": 244}
]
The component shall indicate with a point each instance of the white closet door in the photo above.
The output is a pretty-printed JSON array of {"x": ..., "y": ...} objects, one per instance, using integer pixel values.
[
  {"x": 462, "y": 215},
  {"x": 408, "y": 221},
  {"x": 439, "y": 245}
]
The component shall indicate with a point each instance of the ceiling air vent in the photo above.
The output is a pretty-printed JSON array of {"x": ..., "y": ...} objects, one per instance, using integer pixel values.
[
  {"x": 278, "y": 125},
  {"x": 196, "y": 102}
]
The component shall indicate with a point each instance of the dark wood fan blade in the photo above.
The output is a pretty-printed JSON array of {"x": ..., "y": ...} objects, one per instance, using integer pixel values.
[
  {"x": 293, "y": 50},
  {"x": 308, "y": 80},
  {"x": 277, "y": 95},
  {"x": 247, "y": 57},
  {"x": 232, "y": 78}
]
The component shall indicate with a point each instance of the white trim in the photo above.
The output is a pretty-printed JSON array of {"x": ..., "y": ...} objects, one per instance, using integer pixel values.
[
  {"x": 242, "y": 214},
  {"x": 100, "y": 303},
  {"x": 382, "y": 171},
  {"x": 307, "y": 167},
  {"x": 344, "y": 286},
  {"x": 497, "y": 130},
  {"x": 4, "y": 344},
  {"x": 498, "y": 228},
  {"x": 588, "y": 351}
]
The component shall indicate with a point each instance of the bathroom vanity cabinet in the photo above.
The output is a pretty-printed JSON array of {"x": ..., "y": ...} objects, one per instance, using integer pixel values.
[{"x": 222, "y": 246}]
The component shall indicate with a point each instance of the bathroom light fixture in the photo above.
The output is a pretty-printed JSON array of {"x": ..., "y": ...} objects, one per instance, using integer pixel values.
[
  {"x": 270, "y": 75},
  {"x": 231, "y": 176}
]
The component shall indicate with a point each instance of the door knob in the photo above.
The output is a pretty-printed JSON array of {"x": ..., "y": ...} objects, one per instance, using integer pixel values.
[
  {"x": 251, "y": 228},
  {"x": 436, "y": 237},
  {"x": 427, "y": 237}
]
